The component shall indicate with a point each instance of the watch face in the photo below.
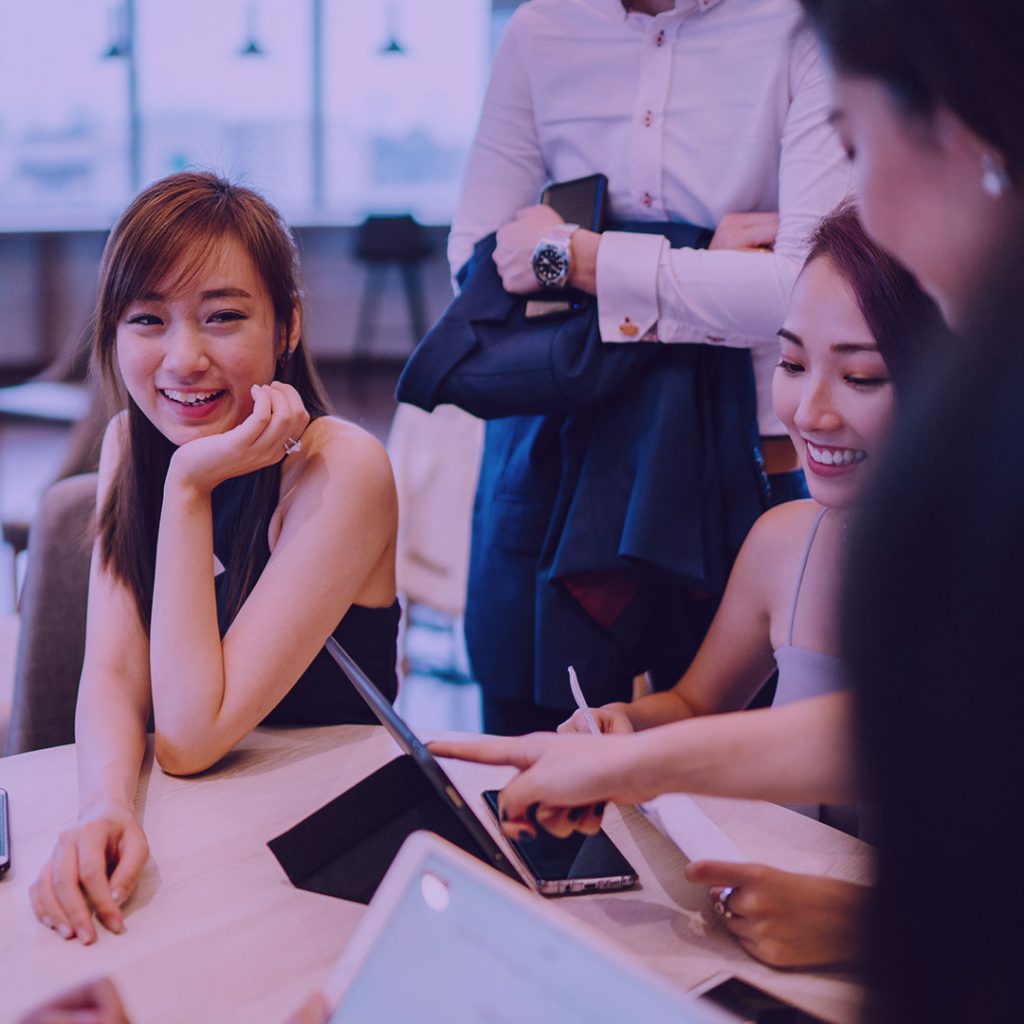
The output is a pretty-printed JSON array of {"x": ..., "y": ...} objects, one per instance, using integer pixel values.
[{"x": 549, "y": 264}]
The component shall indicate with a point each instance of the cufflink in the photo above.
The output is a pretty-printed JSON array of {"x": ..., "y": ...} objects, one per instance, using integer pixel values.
[{"x": 628, "y": 329}]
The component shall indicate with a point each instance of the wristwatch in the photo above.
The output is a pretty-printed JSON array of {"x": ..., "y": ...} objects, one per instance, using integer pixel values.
[{"x": 551, "y": 257}]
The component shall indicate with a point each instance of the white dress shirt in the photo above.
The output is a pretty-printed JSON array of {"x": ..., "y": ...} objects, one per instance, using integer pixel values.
[{"x": 715, "y": 107}]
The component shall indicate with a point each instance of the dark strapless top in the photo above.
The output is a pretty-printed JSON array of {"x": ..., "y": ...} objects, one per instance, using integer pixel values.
[{"x": 322, "y": 695}]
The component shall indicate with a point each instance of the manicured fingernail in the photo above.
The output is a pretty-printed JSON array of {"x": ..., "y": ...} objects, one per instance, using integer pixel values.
[
  {"x": 531, "y": 813},
  {"x": 575, "y": 813},
  {"x": 117, "y": 927},
  {"x": 118, "y": 896},
  {"x": 85, "y": 939},
  {"x": 254, "y": 390},
  {"x": 599, "y": 809},
  {"x": 64, "y": 931}
]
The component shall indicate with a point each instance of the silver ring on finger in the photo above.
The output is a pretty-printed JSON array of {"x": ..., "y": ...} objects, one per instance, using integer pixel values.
[
  {"x": 722, "y": 903},
  {"x": 292, "y": 445}
]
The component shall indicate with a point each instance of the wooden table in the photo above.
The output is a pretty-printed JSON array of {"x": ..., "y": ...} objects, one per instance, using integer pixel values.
[{"x": 216, "y": 932}]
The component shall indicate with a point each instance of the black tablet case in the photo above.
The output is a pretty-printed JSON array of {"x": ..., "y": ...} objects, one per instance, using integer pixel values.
[{"x": 345, "y": 848}]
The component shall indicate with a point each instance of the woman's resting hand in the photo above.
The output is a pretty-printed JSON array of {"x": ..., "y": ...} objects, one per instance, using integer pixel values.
[
  {"x": 786, "y": 919},
  {"x": 94, "y": 868}
]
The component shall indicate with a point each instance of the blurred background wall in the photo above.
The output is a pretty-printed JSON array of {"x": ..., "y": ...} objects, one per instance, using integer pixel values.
[{"x": 335, "y": 109}]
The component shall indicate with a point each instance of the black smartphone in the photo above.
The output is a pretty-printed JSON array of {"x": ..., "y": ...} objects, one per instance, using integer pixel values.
[
  {"x": 5, "y": 834},
  {"x": 569, "y": 866},
  {"x": 754, "y": 1006},
  {"x": 582, "y": 201}
]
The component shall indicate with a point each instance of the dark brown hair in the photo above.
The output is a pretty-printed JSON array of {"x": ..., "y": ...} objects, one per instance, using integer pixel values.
[
  {"x": 172, "y": 227},
  {"x": 931, "y": 53},
  {"x": 902, "y": 318}
]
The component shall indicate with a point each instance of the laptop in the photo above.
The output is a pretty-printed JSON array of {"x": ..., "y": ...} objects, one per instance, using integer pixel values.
[{"x": 435, "y": 921}]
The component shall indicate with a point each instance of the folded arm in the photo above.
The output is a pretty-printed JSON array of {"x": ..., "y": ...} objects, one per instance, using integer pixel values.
[
  {"x": 335, "y": 546},
  {"x": 723, "y": 297}
]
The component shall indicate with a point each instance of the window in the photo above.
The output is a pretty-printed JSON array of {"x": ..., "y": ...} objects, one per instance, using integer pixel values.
[
  {"x": 227, "y": 86},
  {"x": 403, "y": 87},
  {"x": 334, "y": 109},
  {"x": 64, "y": 124}
]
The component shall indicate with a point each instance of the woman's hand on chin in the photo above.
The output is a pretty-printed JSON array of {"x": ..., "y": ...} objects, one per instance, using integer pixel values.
[{"x": 278, "y": 419}]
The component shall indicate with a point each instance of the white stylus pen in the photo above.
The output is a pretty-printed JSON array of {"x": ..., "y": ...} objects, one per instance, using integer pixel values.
[
  {"x": 673, "y": 814},
  {"x": 581, "y": 702}
]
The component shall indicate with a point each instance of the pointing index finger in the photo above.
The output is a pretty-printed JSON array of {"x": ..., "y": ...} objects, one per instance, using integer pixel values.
[{"x": 491, "y": 750}]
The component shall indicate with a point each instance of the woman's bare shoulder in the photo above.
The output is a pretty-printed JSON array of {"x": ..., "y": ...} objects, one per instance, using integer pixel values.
[
  {"x": 780, "y": 533},
  {"x": 343, "y": 452},
  {"x": 343, "y": 441}
]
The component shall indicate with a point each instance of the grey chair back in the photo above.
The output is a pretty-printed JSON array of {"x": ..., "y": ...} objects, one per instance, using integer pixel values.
[{"x": 51, "y": 641}]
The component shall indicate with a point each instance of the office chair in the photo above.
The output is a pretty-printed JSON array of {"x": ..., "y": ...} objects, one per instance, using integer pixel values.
[{"x": 51, "y": 642}]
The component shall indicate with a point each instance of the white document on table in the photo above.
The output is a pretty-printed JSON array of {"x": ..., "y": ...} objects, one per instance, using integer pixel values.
[
  {"x": 674, "y": 815},
  {"x": 678, "y": 817}
]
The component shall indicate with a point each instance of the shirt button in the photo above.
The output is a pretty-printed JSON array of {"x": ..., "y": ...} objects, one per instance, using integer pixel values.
[
  {"x": 647, "y": 199},
  {"x": 628, "y": 329},
  {"x": 648, "y": 118},
  {"x": 659, "y": 39}
]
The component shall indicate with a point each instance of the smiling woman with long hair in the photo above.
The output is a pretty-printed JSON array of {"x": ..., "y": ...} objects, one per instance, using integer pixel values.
[
  {"x": 851, "y": 349},
  {"x": 238, "y": 525}
]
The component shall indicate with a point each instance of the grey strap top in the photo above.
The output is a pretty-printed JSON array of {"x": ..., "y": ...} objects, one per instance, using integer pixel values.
[{"x": 804, "y": 673}]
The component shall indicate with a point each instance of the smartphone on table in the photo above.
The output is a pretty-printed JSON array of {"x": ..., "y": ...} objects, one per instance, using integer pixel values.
[
  {"x": 751, "y": 1005},
  {"x": 576, "y": 864},
  {"x": 5, "y": 834}
]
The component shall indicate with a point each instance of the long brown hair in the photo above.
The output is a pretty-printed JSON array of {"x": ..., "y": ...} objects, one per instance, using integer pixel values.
[{"x": 172, "y": 226}]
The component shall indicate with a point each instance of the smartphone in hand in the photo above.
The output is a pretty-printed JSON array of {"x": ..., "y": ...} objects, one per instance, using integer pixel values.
[{"x": 582, "y": 201}]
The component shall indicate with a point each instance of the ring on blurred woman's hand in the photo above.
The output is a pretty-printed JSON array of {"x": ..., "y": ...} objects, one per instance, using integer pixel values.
[
  {"x": 722, "y": 903},
  {"x": 291, "y": 446}
]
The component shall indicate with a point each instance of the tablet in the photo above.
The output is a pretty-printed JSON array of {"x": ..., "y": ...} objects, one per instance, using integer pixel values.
[{"x": 344, "y": 848}]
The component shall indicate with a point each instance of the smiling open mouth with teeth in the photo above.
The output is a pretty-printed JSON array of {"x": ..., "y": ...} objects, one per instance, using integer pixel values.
[
  {"x": 191, "y": 397},
  {"x": 835, "y": 456}
]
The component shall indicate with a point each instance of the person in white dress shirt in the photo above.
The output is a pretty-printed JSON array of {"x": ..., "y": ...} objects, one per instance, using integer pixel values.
[
  {"x": 707, "y": 111},
  {"x": 712, "y": 112},
  {"x": 700, "y": 110}
]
